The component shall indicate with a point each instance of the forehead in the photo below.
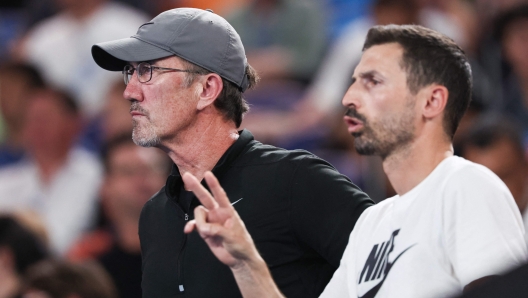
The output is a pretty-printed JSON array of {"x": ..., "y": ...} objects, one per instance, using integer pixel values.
[{"x": 385, "y": 59}]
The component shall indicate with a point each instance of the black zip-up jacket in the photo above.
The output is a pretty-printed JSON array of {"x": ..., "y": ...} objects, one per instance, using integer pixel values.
[{"x": 297, "y": 207}]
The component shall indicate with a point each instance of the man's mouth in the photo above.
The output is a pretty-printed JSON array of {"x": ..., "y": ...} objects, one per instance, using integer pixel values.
[
  {"x": 136, "y": 113},
  {"x": 354, "y": 125},
  {"x": 136, "y": 110}
]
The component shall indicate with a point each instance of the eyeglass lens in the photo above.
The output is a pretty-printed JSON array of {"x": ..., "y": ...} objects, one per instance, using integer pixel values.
[{"x": 144, "y": 72}]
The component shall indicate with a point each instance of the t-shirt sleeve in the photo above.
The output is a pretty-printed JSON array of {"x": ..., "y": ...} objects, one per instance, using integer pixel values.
[
  {"x": 483, "y": 228},
  {"x": 325, "y": 207}
]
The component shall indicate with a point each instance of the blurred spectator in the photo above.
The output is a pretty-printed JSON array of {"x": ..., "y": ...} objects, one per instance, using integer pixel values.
[
  {"x": 60, "y": 46},
  {"x": 463, "y": 15},
  {"x": 18, "y": 82},
  {"x": 495, "y": 143},
  {"x": 222, "y": 8},
  {"x": 116, "y": 113},
  {"x": 284, "y": 48},
  {"x": 512, "y": 32},
  {"x": 56, "y": 180},
  {"x": 19, "y": 249},
  {"x": 57, "y": 279},
  {"x": 323, "y": 98},
  {"x": 32, "y": 221},
  {"x": 511, "y": 285},
  {"x": 487, "y": 10},
  {"x": 133, "y": 175},
  {"x": 283, "y": 39},
  {"x": 342, "y": 12},
  {"x": 12, "y": 23}
]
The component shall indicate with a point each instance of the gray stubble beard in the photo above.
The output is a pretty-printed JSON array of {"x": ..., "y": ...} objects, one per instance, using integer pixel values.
[{"x": 149, "y": 139}]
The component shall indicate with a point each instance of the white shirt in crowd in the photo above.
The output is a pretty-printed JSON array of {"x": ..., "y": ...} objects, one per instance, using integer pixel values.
[
  {"x": 61, "y": 48},
  {"x": 458, "y": 225},
  {"x": 525, "y": 220},
  {"x": 66, "y": 205}
]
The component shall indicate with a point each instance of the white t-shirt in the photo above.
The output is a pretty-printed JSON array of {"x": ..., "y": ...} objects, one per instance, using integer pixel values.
[
  {"x": 67, "y": 205},
  {"x": 458, "y": 225}
]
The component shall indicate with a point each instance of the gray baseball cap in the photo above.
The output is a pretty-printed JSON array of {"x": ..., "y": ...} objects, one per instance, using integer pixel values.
[{"x": 198, "y": 36}]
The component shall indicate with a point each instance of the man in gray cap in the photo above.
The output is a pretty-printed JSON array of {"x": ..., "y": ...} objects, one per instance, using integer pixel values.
[{"x": 185, "y": 72}]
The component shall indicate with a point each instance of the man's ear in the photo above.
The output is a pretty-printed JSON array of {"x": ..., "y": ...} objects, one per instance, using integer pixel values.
[
  {"x": 211, "y": 86},
  {"x": 435, "y": 101}
]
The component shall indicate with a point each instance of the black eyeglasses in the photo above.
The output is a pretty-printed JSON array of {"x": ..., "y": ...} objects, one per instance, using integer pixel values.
[{"x": 144, "y": 71}]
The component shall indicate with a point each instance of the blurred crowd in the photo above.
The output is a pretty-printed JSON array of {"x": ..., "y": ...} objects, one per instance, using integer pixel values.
[{"x": 72, "y": 182}]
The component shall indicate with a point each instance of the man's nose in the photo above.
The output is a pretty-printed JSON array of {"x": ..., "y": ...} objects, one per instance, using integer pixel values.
[
  {"x": 133, "y": 90},
  {"x": 351, "y": 97}
]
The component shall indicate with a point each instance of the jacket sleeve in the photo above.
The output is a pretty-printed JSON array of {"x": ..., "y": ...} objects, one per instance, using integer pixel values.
[{"x": 325, "y": 207}]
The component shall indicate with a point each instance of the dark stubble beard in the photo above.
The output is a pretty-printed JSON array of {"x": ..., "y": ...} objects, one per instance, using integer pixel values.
[
  {"x": 383, "y": 137},
  {"x": 143, "y": 134}
]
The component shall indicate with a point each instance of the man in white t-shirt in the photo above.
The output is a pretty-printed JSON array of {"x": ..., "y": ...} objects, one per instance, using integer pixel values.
[{"x": 453, "y": 223}]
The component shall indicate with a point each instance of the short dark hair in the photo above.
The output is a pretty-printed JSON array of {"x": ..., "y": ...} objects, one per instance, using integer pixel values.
[
  {"x": 26, "y": 247},
  {"x": 26, "y": 71},
  {"x": 230, "y": 101},
  {"x": 508, "y": 17},
  {"x": 61, "y": 279},
  {"x": 430, "y": 57},
  {"x": 64, "y": 98},
  {"x": 488, "y": 130}
]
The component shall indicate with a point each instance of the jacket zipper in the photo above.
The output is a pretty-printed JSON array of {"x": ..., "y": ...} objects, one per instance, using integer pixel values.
[{"x": 180, "y": 261}]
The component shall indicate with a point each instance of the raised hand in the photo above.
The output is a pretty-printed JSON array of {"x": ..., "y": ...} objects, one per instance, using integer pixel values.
[{"x": 219, "y": 225}]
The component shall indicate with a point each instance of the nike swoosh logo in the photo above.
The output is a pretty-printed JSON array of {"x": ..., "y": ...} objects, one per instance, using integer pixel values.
[
  {"x": 236, "y": 201},
  {"x": 372, "y": 292}
]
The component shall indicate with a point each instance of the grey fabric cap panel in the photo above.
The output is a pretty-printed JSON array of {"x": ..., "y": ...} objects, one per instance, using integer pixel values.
[{"x": 196, "y": 35}]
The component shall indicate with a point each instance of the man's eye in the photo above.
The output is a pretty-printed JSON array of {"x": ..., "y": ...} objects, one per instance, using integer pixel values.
[
  {"x": 370, "y": 82},
  {"x": 143, "y": 69}
]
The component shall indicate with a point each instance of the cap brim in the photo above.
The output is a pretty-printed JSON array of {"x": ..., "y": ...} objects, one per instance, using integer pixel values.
[{"x": 114, "y": 55}]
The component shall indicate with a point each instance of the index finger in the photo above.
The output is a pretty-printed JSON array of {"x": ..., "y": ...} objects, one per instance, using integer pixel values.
[
  {"x": 199, "y": 191},
  {"x": 219, "y": 194}
]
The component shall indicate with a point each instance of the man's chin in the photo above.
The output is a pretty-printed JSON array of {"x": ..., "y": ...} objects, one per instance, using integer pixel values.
[
  {"x": 364, "y": 148},
  {"x": 145, "y": 141}
]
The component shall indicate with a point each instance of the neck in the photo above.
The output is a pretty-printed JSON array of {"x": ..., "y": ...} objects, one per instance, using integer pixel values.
[
  {"x": 407, "y": 167},
  {"x": 199, "y": 148}
]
